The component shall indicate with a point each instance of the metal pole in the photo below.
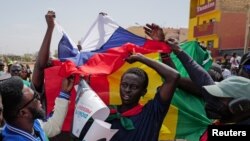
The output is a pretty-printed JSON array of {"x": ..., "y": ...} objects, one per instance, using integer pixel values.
[{"x": 247, "y": 35}]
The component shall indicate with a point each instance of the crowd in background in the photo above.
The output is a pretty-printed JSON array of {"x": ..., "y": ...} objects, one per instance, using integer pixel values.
[{"x": 15, "y": 68}]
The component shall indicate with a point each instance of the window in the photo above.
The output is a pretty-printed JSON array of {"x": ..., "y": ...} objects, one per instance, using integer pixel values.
[
  {"x": 212, "y": 20},
  {"x": 210, "y": 43}
]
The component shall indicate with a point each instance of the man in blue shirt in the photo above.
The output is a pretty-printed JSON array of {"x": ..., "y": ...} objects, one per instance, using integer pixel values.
[{"x": 23, "y": 111}]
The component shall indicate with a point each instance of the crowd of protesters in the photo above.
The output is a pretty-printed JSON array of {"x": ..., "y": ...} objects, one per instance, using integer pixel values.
[
  {"x": 225, "y": 88},
  {"x": 16, "y": 69}
]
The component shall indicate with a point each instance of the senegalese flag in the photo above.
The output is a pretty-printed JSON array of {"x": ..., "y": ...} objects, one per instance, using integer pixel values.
[
  {"x": 102, "y": 60},
  {"x": 188, "y": 119}
]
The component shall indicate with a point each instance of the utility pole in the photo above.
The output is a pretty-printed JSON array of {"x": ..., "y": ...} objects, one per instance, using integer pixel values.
[{"x": 247, "y": 35}]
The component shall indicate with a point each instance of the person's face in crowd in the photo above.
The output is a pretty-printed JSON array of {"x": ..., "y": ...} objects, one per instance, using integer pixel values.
[
  {"x": 226, "y": 56},
  {"x": 31, "y": 104},
  {"x": 15, "y": 70},
  {"x": 24, "y": 73},
  {"x": 234, "y": 55},
  {"x": 217, "y": 108},
  {"x": 1, "y": 111},
  {"x": 131, "y": 89}
]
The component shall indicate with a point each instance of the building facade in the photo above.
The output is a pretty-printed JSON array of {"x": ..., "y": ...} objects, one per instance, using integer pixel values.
[{"x": 220, "y": 25}]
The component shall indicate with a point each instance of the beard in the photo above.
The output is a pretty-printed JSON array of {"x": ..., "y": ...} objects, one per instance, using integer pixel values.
[{"x": 37, "y": 113}]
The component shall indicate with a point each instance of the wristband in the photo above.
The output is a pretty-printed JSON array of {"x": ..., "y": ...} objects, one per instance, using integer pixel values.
[{"x": 64, "y": 95}]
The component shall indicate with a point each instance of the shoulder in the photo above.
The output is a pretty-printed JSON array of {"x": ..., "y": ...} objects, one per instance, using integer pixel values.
[
  {"x": 13, "y": 138},
  {"x": 7, "y": 135},
  {"x": 157, "y": 102}
]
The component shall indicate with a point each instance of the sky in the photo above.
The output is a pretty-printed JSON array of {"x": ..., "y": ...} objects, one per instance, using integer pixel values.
[{"x": 23, "y": 24}]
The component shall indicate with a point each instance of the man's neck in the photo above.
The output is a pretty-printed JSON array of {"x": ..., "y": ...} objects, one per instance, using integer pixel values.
[
  {"x": 24, "y": 125},
  {"x": 123, "y": 108}
]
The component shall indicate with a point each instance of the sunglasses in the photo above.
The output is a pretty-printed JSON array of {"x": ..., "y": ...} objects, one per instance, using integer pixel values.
[
  {"x": 35, "y": 96},
  {"x": 16, "y": 70},
  {"x": 246, "y": 68}
]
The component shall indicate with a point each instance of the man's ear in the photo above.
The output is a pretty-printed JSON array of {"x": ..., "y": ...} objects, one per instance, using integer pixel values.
[{"x": 23, "y": 113}]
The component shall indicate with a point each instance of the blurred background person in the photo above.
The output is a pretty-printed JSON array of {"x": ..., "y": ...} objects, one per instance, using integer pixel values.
[
  {"x": 1, "y": 67},
  {"x": 234, "y": 64}
]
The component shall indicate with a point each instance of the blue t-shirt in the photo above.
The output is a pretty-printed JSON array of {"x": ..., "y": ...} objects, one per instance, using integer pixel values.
[
  {"x": 11, "y": 133},
  {"x": 147, "y": 123}
]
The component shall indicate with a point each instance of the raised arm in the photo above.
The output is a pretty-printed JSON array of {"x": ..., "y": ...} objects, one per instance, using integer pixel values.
[
  {"x": 169, "y": 75},
  {"x": 155, "y": 32},
  {"x": 197, "y": 74},
  {"x": 43, "y": 54},
  {"x": 53, "y": 125}
]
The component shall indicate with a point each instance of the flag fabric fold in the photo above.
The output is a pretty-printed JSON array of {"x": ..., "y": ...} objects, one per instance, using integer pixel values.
[
  {"x": 192, "y": 120},
  {"x": 67, "y": 49},
  {"x": 106, "y": 33}
]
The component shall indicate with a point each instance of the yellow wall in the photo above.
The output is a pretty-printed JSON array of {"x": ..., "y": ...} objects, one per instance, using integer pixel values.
[
  {"x": 202, "y": 2},
  {"x": 193, "y": 7},
  {"x": 212, "y": 15},
  {"x": 210, "y": 37}
]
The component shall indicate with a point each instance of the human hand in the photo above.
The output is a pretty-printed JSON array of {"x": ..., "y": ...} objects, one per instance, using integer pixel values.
[
  {"x": 173, "y": 43},
  {"x": 103, "y": 13},
  {"x": 79, "y": 46},
  {"x": 154, "y": 31},
  {"x": 50, "y": 16},
  {"x": 134, "y": 57},
  {"x": 68, "y": 84}
]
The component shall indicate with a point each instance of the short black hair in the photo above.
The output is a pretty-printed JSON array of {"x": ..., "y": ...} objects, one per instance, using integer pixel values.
[
  {"x": 16, "y": 66},
  {"x": 11, "y": 92},
  {"x": 140, "y": 73}
]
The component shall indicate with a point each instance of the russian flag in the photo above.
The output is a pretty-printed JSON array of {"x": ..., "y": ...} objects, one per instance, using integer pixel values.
[
  {"x": 103, "y": 35},
  {"x": 101, "y": 60},
  {"x": 67, "y": 49}
]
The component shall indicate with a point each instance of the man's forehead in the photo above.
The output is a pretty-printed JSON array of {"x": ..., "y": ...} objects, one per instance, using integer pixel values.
[
  {"x": 16, "y": 66},
  {"x": 131, "y": 78}
]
